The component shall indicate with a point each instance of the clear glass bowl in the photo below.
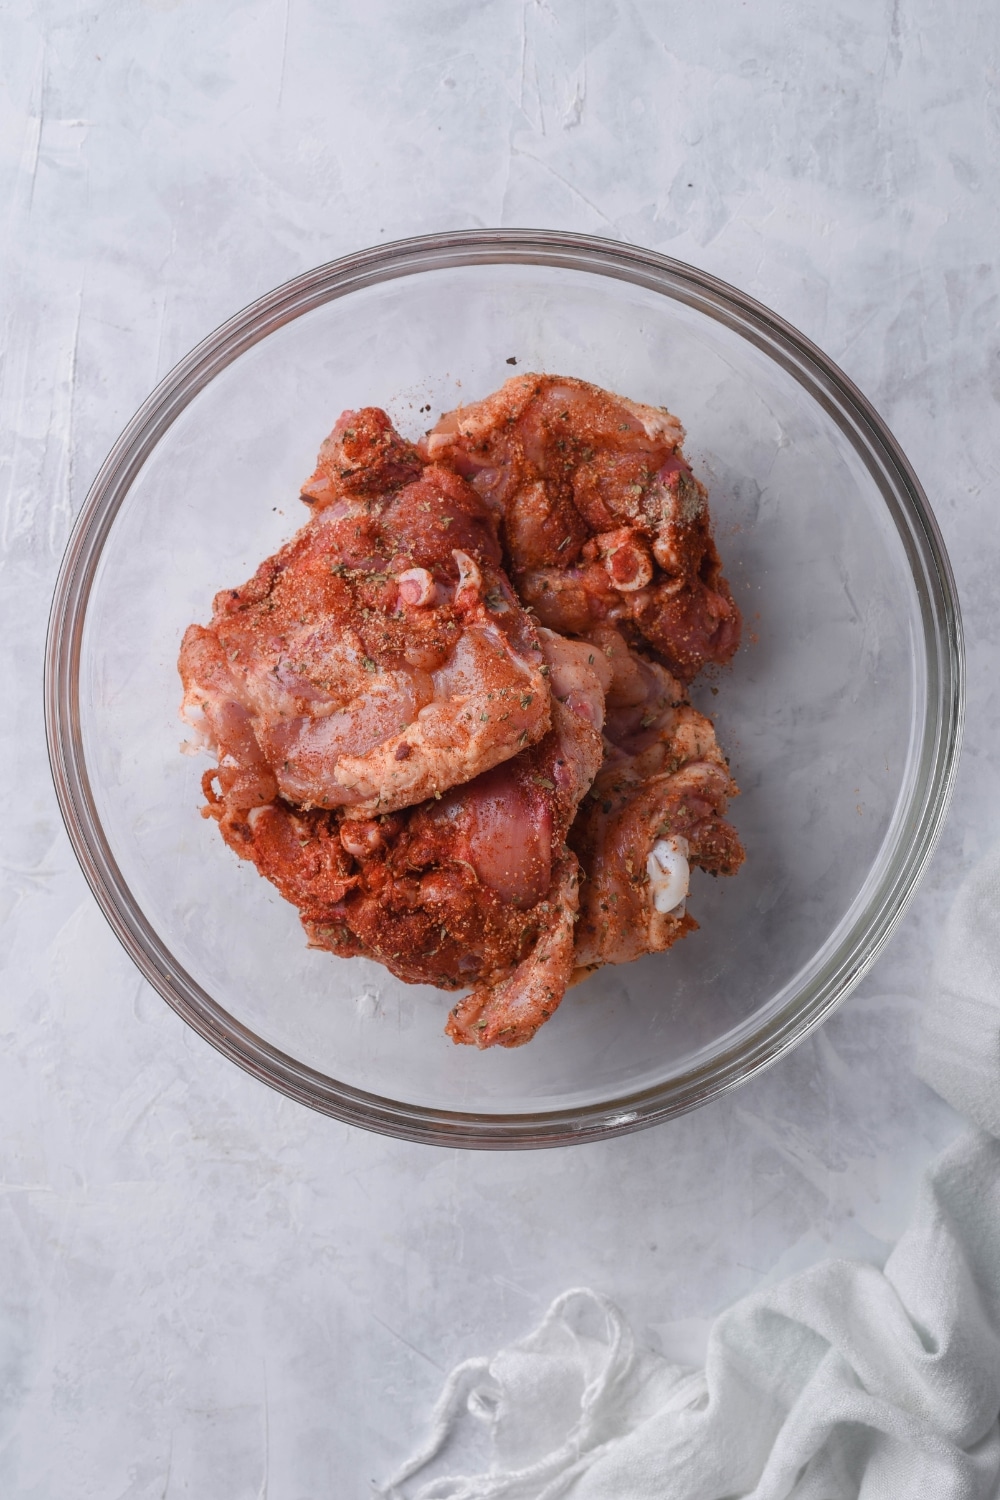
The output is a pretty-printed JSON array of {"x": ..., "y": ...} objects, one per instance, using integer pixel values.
[{"x": 841, "y": 712}]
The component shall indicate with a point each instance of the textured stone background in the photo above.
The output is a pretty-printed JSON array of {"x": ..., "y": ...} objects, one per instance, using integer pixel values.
[{"x": 204, "y": 1289}]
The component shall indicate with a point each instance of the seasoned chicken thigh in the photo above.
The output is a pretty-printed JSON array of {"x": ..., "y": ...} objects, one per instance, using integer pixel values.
[
  {"x": 656, "y": 807},
  {"x": 509, "y": 1009},
  {"x": 476, "y": 887},
  {"x": 603, "y": 519},
  {"x": 380, "y": 657}
]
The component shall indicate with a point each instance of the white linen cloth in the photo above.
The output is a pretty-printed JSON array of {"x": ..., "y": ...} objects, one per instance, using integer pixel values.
[{"x": 843, "y": 1381}]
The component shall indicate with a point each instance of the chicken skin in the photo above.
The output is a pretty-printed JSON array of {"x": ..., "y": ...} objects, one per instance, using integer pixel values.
[
  {"x": 477, "y": 887},
  {"x": 656, "y": 806},
  {"x": 377, "y": 659},
  {"x": 603, "y": 520}
]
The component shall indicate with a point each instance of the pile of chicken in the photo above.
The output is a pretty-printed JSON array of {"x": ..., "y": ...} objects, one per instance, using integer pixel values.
[{"x": 449, "y": 716}]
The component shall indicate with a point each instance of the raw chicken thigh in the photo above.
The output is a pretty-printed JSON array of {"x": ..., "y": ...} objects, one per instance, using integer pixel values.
[
  {"x": 603, "y": 520},
  {"x": 475, "y": 888},
  {"x": 656, "y": 807},
  {"x": 380, "y": 657}
]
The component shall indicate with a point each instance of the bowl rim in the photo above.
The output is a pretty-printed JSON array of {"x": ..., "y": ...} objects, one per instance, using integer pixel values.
[{"x": 916, "y": 831}]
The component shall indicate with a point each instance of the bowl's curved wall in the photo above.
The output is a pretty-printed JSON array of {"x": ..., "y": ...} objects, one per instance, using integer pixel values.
[{"x": 841, "y": 713}]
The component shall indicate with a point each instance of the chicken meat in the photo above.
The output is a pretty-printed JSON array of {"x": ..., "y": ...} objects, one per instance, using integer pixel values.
[
  {"x": 656, "y": 807},
  {"x": 377, "y": 659},
  {"x": 475, "y": 888},
  {"x": 603, "y": 520},
  {"x": 449, "y": 717}
]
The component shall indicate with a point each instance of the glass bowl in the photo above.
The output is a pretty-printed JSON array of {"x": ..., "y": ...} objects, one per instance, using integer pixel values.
[{"x": 841, "y": 712}]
